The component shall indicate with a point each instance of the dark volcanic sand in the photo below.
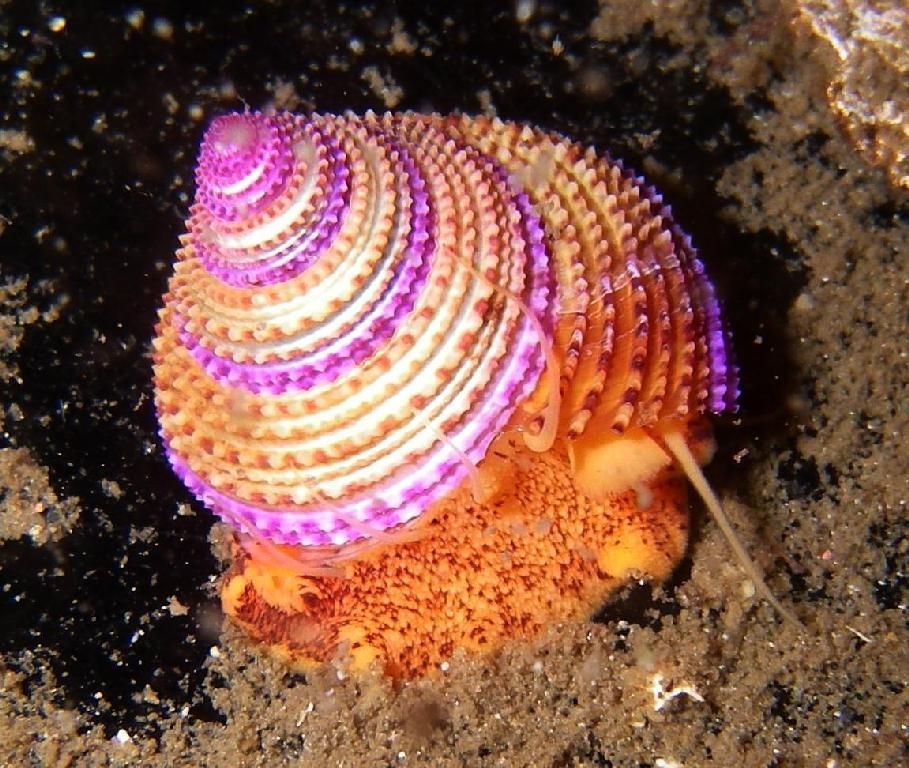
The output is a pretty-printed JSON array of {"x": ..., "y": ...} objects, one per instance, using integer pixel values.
[{"x": 113, "y": 648}]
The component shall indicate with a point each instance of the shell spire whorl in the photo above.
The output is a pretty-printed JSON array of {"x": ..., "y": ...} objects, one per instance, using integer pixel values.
[{"x": 244, "y": 162}]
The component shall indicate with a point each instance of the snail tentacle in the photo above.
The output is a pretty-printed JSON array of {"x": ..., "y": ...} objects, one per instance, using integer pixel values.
[{"x": 675, "y": 442}]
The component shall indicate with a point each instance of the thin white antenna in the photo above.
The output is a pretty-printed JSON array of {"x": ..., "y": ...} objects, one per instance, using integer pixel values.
[{"x": 677, "y": 446}]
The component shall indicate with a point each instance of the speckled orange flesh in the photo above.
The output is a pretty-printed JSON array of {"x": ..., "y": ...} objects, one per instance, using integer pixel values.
[{"x": 535, "y": 550}]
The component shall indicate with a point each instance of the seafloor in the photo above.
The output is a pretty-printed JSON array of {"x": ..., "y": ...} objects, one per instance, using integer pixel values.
[{"x": 773, "y": 126}]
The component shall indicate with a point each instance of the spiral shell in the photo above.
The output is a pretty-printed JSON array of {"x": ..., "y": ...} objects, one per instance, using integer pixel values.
[{"x": 363, "y": 304}]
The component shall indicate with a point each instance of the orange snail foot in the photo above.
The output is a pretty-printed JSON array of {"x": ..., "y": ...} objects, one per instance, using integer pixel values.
[{"x": 534, "y": 550}]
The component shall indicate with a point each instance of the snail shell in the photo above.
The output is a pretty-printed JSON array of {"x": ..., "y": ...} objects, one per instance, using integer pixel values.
[{"x": 362, "y": 304}]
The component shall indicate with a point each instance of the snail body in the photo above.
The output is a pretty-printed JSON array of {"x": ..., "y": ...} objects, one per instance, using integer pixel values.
[{"x": 437, "y": 373}]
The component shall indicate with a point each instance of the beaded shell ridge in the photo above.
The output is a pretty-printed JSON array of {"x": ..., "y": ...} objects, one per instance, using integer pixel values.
[{"x": 434, "y": 371}]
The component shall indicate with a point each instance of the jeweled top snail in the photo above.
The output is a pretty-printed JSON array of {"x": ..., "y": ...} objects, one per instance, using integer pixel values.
[{"x": 436, "y": 372}]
